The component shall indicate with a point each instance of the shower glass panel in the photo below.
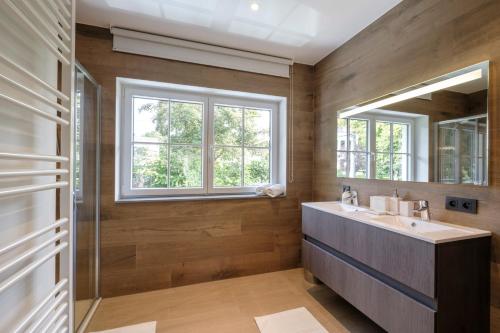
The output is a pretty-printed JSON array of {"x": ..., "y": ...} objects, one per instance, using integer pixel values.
[
  {"x": 462, "y": 151},
  {"x": 86, "y": 192}
]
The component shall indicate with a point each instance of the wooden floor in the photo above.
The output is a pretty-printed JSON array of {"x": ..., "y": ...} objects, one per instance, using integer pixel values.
[{"x": 230, "y": 306}]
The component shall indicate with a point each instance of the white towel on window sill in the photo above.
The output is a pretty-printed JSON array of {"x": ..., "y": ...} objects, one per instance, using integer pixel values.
[{"x": 272, "y": 191}]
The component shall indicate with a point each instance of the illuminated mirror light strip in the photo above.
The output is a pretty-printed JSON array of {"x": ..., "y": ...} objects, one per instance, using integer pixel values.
[{"x": 467, "y": 77}]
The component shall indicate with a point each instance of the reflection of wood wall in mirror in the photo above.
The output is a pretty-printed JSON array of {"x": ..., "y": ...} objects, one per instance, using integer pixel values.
[
  {"x": 443, "y": 105},
  {"x": 478, "y": 102}
]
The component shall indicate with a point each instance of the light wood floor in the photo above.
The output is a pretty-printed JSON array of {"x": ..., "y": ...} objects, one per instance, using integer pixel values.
[{"x": 230, "y": 306}]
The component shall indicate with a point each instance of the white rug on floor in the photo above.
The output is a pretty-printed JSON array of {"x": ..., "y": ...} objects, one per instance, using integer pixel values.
[
  {"x": 292, "y": 321},
  {"x": 149, "y": 327}
]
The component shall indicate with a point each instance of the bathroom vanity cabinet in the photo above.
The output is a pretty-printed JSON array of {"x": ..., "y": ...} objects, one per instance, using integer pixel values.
[{"x": 435, "y": 281}]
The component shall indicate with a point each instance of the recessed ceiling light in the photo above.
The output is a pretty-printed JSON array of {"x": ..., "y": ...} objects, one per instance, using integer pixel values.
[{"x": 254, "y": 6}]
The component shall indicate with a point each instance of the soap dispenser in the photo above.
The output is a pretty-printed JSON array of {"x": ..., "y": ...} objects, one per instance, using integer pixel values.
[{"x": 394, "y": 202}]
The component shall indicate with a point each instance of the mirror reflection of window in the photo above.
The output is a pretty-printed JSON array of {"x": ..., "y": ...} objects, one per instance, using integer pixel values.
[
  {"x": 392, "y": 150},
  {"x": 352, "y": 148}
]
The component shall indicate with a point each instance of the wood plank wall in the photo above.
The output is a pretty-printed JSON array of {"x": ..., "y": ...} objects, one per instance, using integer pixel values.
[
  {"x": 154, "y": 245},
  {"x": 415, "y": 41}
]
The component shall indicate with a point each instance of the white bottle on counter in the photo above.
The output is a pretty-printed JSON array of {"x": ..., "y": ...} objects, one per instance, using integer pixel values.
[{"x": 394, "y": 203}]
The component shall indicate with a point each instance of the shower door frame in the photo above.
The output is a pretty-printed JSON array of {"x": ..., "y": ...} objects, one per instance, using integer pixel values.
[{"x": 97, "y": 299}]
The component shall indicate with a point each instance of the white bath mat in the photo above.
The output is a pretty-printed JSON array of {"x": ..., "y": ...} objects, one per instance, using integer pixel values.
[
  {"x": 292, "y": 321},
  {"x": 149, "y": 327}
]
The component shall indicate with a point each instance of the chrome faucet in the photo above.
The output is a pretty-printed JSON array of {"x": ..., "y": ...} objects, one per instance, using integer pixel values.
[
  {"x": 350, "y": 198},
  {"x": 422, "y": 207}
]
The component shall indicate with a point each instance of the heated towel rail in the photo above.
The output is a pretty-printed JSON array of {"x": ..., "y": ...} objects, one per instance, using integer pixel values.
[{"x": 36, "y": 96}]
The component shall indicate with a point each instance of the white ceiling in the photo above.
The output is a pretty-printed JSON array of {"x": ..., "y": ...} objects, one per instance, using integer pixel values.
[{"x": 303, "y": 30}]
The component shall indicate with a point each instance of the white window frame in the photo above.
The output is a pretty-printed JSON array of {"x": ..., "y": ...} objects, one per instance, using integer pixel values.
[
  {"x": 127, "y": 88},
  {"x": 130, "y": 92},
  {"x": 273, "y": 149}
]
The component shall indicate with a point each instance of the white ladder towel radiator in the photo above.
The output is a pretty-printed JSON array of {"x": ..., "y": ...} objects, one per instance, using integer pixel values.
[{"x": 36, "y": 121}]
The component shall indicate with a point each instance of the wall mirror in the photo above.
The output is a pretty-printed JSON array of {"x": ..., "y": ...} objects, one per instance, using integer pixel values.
[{"x": 435, "y": 131}]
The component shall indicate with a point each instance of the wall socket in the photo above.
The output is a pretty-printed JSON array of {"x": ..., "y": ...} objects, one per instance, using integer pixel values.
[{"x": 462, "y": 205}]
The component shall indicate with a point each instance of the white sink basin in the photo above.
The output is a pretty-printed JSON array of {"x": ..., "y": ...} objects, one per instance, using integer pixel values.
[
  {"x": 413, "y": 224},
  {"x": 340, "y": 207}
]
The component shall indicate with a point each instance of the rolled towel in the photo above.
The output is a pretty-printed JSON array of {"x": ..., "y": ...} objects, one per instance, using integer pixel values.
[{"x": 271, "y": 190}]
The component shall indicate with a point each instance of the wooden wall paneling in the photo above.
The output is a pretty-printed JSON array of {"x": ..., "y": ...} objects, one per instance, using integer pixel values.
[
  {"x": 413, "y": 42},
  {"x": 152, "y": 245}
]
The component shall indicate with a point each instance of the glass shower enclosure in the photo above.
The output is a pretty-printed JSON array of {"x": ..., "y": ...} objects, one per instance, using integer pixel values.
[
  {"x": 462, "y": 150},
  {"x": 86, "y": 196}
]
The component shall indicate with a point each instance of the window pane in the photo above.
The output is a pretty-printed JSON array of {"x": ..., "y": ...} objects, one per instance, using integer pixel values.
[
  {"x": 150, "y": 120},
  {"x": 341, "y": 134},
  {"x": 228, "y": 125},
  {"x": 400, "y": 138},
  {"x": 400, "y": 167},
  {"x": 257, "y": 170},
  {"x": 149, "y": 166},
  {"x": 383, "y": 166},
  {"x": 227, "y": 167},
  {"x": 358, "y": 135},
  {"x": 186, "y": 122},
  {"x": 185, "y": 166},
  {"x": 341, "y": 164},
  {"x": 383, "y": 137},
  {"x": 257, "y": 127},
  {"x": 358, "y": 166}
]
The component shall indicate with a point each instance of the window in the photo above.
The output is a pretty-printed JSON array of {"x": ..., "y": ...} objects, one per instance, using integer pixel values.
[
  {"x": 184, "y": 141},
  {"x": 392, "y": 159},
  {"x": 78, "y": 130},
  {"x": 374, "y": 146},
  {"x": 352, "y": 148},
  {"x": 167, "y": 143},
  {"x": 241, "y": 145}
]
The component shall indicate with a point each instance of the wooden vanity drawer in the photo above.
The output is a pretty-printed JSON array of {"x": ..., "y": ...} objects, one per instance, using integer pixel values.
[
  {"x": 389, "y": 308},
  {"x": 407, "y": 260}
]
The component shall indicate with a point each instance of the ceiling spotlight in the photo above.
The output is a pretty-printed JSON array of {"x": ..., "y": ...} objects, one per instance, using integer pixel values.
[{"x": 254, "y": 6}]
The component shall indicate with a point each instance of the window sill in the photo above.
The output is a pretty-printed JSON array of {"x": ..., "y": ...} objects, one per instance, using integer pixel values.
[{"x": 196, "y": 198}]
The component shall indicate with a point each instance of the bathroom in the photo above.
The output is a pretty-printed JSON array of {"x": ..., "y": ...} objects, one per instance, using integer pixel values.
[{"x": 249, "y": 166}]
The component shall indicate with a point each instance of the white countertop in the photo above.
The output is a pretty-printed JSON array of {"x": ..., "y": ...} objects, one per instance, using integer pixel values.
[{"x": 430, "y": 231}]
